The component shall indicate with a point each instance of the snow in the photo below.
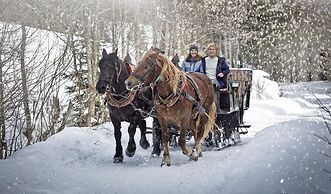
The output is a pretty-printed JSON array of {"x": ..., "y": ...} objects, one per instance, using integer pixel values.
[
  {"x": 263, "y": 88},
  {"x": 280, "y": 154}
]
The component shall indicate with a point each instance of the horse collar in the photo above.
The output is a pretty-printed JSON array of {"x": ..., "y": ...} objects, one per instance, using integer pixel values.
[
  {"x": 124, "y": 101},
  {"x": 173, "y": 98}
]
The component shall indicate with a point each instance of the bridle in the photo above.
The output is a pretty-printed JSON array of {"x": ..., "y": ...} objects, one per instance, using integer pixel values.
[
  {"x": 172, "y": 98},
  {"x": 109, "y": 79},
  {"x": 111, "y": 97},
  {"x": 150, "y": 72}
]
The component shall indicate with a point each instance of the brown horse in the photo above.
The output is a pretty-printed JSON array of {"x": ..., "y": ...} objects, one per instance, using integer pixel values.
[{"x": 183, "y": 100}]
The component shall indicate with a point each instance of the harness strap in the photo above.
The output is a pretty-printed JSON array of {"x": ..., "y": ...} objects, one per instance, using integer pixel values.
[
  {"x": 195, "y": 86},
  {"x": 189, "y": 97}
]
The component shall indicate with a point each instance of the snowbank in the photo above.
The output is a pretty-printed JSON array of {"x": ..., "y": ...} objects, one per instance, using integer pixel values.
[{"x": 262, "y": 87}]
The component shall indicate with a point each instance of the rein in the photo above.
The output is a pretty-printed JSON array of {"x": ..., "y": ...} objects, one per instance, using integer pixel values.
[{"x": 143, "y": 112}]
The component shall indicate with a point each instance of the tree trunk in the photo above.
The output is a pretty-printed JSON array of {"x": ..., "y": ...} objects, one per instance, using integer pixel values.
[
  {"x": 230, "y": 53},
  {"x": 89, "y": 54},
  {"x": 155, "y": 24},
  {"x": 122, "y": 33},
  {"x": 173, "y": 32},
  {"x": 77, "y": 77},
  {"x": 2, "y": 115},
  {"x": 163, "y": 36},
  {"x": 136, "y": 37},
  {"x": 226, "y": 53},
  {"x": 94, "y": 69},
  {"x": 123, "y": 41},
  {"x": 154, "y": 35},
  {"x": 28, "y": 131},
  {"x": 220, "y": 44}
]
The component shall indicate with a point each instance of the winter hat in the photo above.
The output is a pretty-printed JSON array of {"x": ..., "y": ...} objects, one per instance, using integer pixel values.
[{"x": 193, "y": 47}]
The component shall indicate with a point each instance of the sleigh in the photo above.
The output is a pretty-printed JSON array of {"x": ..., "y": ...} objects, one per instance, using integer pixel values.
[{"x": 233, "y": 101}]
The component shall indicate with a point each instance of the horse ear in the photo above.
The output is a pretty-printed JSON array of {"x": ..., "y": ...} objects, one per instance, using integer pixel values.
[
  {"x": 104, "y": 52},
  {"x": 116, "y": 51}
]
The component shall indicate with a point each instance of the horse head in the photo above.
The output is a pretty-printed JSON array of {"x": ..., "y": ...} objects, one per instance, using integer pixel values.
[
  {"x": 175, "y": 60},
  {"x": 110, "y": 69},
  {"x": 127, "y": 59},
  {"x": 147, "y": 71}
]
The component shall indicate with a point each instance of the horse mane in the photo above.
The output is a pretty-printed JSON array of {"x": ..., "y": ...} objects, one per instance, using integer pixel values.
[{"x": 169, "y": 71}]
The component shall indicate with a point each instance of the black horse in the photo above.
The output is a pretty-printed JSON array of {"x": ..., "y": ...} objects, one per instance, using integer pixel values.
[{"x": 124, "y": 105}]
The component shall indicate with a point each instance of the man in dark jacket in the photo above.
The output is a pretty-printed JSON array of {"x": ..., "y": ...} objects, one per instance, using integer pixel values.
[{"x": 215, "y": 67}]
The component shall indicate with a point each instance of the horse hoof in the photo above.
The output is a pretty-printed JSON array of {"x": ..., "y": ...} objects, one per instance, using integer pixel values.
[
  {"x": 144, "y": 144},
  {"x": 194, "y": 156},
  {"x": 118, "y": 160},
  {"x": 130, "y": 153},
  {"x": 165, "y": 163},
  {"x": 155, "y": 155}
]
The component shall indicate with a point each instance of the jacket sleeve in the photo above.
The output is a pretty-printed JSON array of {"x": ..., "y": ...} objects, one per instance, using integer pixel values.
[
  {"x": 183, "y": 66},
  {"x": 202, "y": 68},
  {"x": 198, "y": 67},
  {"x": 224, "y": 67}
]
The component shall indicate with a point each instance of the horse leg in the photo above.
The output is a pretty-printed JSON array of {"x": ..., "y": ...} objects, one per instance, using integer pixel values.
[
  {"x": 165, "y": 142},
  {"x": 204, "y": 128},
  {"x": 186, "y": 149},
  {"x": 156, "y": 138},
  {"x": 118, "y": 157},
  {"x": 143, "y": 140},
  {"x": 201, "y": 135},
  {"x": 131, "y": 148}
]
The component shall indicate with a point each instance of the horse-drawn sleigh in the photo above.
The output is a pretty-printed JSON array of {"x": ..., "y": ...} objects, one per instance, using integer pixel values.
[{"x": 182, "y": 101}]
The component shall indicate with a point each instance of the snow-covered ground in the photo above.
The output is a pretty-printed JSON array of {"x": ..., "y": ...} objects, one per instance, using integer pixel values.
[{"x": 280, "y": 154}]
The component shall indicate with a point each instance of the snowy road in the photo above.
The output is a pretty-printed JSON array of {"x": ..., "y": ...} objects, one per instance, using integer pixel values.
[{"x": 280, "y": 154}]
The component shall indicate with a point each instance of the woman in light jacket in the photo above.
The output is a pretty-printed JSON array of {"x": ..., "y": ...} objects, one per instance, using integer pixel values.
[{"x": 192, "y": 62}]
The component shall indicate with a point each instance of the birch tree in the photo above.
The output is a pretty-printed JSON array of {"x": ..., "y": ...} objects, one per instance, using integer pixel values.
[
  {"x": 2, "y": 111},
  {"x": 28, "y": 130}
]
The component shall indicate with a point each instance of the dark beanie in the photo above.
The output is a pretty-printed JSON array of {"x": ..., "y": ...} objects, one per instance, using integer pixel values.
[{"x": 193, "y": 47}]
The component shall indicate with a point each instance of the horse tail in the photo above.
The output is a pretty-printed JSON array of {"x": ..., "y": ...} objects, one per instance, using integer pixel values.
[{"x": 211, "y": 120}]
